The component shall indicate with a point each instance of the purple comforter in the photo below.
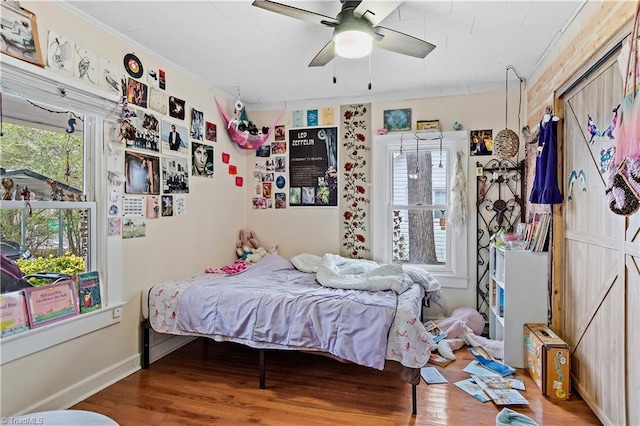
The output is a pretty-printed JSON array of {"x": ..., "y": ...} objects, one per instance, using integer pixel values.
[{"x": 273, "y": 302}]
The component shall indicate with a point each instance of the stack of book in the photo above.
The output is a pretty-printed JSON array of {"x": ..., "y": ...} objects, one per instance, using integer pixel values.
[{"x": 537, "y": 232}]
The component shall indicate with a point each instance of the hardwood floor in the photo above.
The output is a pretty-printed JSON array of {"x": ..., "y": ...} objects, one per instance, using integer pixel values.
[{"x": 217, "y": 383}]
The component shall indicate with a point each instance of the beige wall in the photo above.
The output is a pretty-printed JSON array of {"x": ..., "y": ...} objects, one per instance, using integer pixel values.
[
  {"x": 173, "y": 247},
  {"x": 217, "y": 209}
]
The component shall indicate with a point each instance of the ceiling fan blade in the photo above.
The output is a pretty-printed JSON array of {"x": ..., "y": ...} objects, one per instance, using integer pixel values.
[
  {"x": 395, "y": 41},
  {"x": 294, "y": 12},
  {"x": 324, "y": 56},
  {"x": 375, "y": 11}
]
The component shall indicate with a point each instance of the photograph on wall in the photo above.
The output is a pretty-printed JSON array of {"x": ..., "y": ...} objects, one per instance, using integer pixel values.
[
  {"x": 175, "y": 176},
  {"x": 133, "y": 206},
  {"x": 87, "y": 66},
  {"x": 201, "y": 160},
  {"x": 312, "y": 117},
  {"x": 114, "y": 227},
  {"x": 109, "y": 75},
  {"x": 146, "y": 136},
  {"x": 19, "y": 35},
  {"x": 258, "y": 203},
  {"x": 313, "y": 162},
  {"x": 158, "y": 100},
  {"x": 153, "y": 206},
  {"x": 176, "y": 107},
  {"x": 481, "y": 142},
  {"x": 264, "y": 151},
  {"x": 297, "y": 118},
  {"x": 153, "y": 80},
  {"x": 167, "y": 205},
  {"x": 397, "y": 120},
  {"x": 137, "y": 93},
  {"x": 180, "y": 205},
  {"x": 175, "y": 139},
  {"x": 142, "y": 173},
  {"x": 279, "y": 133},
  {"x": 211, "y": 132},
  {"x": 280, "y": 164},
  {"x": 279, "y": 148},
  {"x": 197, "y": 124},
  {"x": 327, "y": 117},
  {"x": 266, "y": 189},
  {"x": 60, "y": 53},
  {"x": 134, "y": 227},
  {"x": 281, "y": 200}
]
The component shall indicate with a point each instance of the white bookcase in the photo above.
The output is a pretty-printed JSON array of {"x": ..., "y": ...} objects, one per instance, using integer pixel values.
[{"x": 517, "y": 296}]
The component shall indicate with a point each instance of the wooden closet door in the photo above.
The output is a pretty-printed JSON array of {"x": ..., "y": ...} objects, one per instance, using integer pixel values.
[{"x": 595, "y": 283}]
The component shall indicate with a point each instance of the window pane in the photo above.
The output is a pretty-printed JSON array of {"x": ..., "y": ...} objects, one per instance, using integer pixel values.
[
  {"x": 418, "y": 178},
  {"x": 418, "y": 237},
  {"x": 45, "y": 232}
]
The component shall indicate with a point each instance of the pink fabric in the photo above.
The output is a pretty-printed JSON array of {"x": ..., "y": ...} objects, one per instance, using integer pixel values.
[{"x": 230, "y": 269}]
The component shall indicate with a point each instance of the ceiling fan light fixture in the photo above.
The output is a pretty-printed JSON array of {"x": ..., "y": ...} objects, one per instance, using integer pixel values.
[{"x": 353, "y": 44}]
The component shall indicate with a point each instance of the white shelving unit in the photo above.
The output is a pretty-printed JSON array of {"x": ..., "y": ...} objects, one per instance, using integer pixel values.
[{"x": 517, "y": 296}]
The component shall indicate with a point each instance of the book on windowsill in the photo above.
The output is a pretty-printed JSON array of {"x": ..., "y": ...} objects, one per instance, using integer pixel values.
[
  {"x": 436, "y": 333},
  {"x": 89, "y": 291},
  {"x": 439, "y": 360},
  {"x": 499, "y": 390}
]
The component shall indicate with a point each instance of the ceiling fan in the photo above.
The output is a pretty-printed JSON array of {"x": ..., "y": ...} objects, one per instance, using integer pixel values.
[{"x": 355, "y": 30}]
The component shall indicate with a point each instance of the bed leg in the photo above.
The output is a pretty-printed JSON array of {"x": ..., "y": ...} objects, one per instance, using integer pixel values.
[
  {"x": 414, "y": 400},
  {"x": 262, "y": 369},
  {"x": 146, "y": 335}
]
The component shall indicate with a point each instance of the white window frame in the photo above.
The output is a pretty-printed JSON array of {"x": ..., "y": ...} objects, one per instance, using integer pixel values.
[
  {"x": 45, "y": 87},
  {"x": 455, "y": 273}
]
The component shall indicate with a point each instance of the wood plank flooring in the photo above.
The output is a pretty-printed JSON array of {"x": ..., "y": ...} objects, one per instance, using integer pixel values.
[{"x": 206, "y": 383}]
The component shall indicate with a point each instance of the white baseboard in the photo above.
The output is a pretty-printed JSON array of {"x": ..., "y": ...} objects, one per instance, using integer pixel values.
[
  {"x": 167, "y": 346},
  {"x": 84, "y": 389}
]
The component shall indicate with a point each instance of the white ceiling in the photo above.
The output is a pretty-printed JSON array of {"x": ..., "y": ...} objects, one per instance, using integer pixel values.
[{"x": 264, "y": 56}]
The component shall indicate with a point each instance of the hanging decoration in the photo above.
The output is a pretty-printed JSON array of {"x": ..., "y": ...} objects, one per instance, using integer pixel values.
[
  {"x": 458, "y": 212},
  {"x": 507, "y": 142},
  {"x": 573, "y": 176},
  {"x": 243, "y": 131}
]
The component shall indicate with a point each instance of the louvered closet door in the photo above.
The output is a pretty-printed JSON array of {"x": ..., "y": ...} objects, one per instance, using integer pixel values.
[{"x": 595, "y": 286}]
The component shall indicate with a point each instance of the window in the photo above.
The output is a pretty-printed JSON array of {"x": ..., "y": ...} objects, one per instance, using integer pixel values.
[
  {"x": 46, "y": 165},
  {"x": 39, "y": 154},
  {"x": 411, "y": 204}
]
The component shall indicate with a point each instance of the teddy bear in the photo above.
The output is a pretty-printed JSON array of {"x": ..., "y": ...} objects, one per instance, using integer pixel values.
[{"x": 246, "y": 242}]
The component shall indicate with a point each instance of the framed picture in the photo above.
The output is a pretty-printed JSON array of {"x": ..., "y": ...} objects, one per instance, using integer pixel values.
[
  {"x": 397, "y": 120},
  {"x": 481, "y": 142},
  {"x": 19, "y": 35},
  {"x": 428, "y": 125},
  {"x": 51, "y": 303}
]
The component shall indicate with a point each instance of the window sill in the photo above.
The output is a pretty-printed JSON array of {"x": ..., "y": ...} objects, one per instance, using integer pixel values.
[{"x": 31, "y": 341}]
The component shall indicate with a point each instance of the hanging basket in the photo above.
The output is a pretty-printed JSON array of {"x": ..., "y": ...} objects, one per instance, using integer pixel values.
[{"x": 506, "y": 144}]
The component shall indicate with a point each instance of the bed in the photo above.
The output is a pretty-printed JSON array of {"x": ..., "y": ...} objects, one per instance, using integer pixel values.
[{"x": 352, "y": 310}]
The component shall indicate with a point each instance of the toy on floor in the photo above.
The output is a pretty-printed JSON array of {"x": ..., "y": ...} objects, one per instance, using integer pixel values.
[{"x": 465, "y": 325}]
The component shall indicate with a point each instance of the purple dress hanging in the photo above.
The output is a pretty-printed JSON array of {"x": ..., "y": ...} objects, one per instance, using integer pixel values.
[{"x": 545, "y": 183}]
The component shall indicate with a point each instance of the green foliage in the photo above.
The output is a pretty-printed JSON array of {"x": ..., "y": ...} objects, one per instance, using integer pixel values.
[
  {"x": 44, "y": 152},
  {"x": 67, "y": 264}
]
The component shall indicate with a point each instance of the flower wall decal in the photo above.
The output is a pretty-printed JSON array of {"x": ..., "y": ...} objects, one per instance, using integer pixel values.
[{"x": 355, "y": 172}]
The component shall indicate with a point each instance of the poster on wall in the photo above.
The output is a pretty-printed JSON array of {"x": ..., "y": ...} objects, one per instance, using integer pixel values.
[{"x": 313, "y": 162}]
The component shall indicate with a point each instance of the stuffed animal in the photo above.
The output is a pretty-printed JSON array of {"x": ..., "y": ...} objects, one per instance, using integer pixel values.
[
  {"x": 256, "y": 254},
  {"x": 246, "y": 242},
  {"x": 465, "y": 325},
  {"x": 8, "y": 187}
]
